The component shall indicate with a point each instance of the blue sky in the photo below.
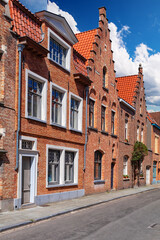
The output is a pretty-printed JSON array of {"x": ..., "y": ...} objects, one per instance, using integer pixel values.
[{"x": 135, "y": 33}]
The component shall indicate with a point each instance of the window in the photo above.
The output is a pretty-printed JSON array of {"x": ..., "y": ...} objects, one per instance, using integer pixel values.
[
  {"x": 137, "y": 133},
  {"x": 27, "y": 144},
  {"x": 103, "y": 110},
  {"x": 91, "y": 113},
  {"x": 69, "y": 167},
  {"x": 97, "y": 165},
  {"x": 58, "y": 105},
  {"x": 57, "y": 53},
  {"x": 76, "y": 104},
  {"x": 60, "y": 51},
  {"x": 36, "y": 96},
  {"x": 62, "y": 166},
  {"x": 125, "y": 165},
  {"x": 142, "y": 135},
  {"x": 112, "y": 122},
  {"x": 126, "y": 128},
  {"x": 53, "y": 166},
  {"x": 156, "y": 144},
  {"x": 105, "y": 77}
]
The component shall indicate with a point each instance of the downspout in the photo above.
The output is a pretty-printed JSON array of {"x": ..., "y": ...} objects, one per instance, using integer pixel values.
[
  {"x": 20, "y": 50},
  {"x": 85, "y": 145},
  {"x": 42, "y": 34}
]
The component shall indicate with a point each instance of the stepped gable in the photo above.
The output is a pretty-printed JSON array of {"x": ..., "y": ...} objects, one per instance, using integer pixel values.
[
  {"x": 24, "y": 22},
  {"x": 127, "y": 87},
  {"x": 85, "y": 43}
]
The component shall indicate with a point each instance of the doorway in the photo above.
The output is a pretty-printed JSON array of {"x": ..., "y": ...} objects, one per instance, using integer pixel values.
[
  {"x": 147, "y": 175},
  {"x": 26, "y": 179},
  {"x": 154, "y": 172},
  {"x": 112, "y": 174}
]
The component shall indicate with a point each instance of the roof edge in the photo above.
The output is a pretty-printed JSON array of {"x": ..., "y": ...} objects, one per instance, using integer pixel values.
[{"x": 127, "y": 104}]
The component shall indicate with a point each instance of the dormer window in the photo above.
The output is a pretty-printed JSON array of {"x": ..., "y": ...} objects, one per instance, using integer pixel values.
[
  {"x": 57, "y": 53},
  {"x": 60, "y": 51}
]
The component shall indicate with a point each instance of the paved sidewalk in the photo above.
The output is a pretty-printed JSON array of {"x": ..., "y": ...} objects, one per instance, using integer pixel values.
[{"x": 13, "y": 219}]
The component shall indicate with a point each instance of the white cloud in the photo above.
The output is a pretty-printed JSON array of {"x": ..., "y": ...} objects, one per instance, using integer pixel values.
[
  {"x": 54, "y": 8},
  {"x": 125, "y": 65}
]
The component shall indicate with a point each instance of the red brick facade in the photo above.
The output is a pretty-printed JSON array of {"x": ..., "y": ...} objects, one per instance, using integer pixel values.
[
  {"x": 7, "y": 111},
  {"x": 95, "y": 151}
]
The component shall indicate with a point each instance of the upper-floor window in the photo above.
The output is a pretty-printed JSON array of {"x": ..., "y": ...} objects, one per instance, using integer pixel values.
[
  {"x": 58, "y": 105},
  {"x": 57, "y": 52},
  {"x": 103, "y": 111},
  {"x": 137, "y": 133},
  {"x": 112, "y": 122},
  {"x": 97, "y": 165},
  {"x": 60, "y": 51},
  {"x": 91, "y": 112},
  {"x": 76, "y": 104},
  {"x": 105, "y": 77},
  {"x": 36, "y": 96},
  {"x": 142, "y": 135},
  {"x": 126, "y": 127},
  {"x": 156, "y": 144}
]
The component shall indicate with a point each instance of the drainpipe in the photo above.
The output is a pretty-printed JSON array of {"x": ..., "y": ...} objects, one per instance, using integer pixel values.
[
  {"x": 85, "y": 145},
  {"x": 20, "y": 50},
  {"x": 42, "y": 34}
]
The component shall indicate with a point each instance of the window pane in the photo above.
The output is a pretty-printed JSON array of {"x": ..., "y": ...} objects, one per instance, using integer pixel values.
[
  {"x": 97, "y": 165},
  {"x": 69, "y": 166},
  {"x": 74, "y": 113},
  {"x": 57, "y": 52},
  {"x": 53, "y": 166}
]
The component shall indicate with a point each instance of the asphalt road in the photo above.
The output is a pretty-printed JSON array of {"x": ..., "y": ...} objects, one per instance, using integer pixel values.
[{"x": 131, "y": 218}]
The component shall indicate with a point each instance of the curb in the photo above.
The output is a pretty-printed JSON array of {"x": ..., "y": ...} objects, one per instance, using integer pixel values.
[{"x": 70, "y": 210}]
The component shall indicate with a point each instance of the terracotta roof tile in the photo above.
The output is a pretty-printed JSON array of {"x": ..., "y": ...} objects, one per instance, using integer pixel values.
[
  {"x": 23, "y": 19},
  {"x": 126, "y": 87},
  {"x": 151, "y": 119},
  {"x": 85, "y": 43}
]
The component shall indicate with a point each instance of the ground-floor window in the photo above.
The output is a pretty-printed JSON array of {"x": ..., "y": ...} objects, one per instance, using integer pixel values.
[
  {"x": 62, "y": 165},
  {"x": 97, "y": 165}
]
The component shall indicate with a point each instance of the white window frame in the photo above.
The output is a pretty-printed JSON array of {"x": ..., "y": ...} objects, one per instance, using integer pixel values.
[
  {"x": 44, "y": 96},
  {"x": 94, "y": 100},
  {"x": 142, "y": 135},
  {"x": 102, "y": 105},
  {"x": 53, "y": 35},
  {"x": 125, "y": 163},
  {"x": 34, "y": 140},
  {"x": 126, "y": 128},
  {"x": 64, "y": 104},
  {"x": 62, "y": 166},
  {"x": 80, "y": 111}
]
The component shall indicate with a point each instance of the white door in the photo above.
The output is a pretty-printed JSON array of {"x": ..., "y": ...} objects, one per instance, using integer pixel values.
[{"x": 147, "y": 175}]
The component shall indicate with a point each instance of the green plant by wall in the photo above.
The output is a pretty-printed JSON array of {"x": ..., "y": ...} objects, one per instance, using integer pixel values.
[{"x": 139, "y": 152}]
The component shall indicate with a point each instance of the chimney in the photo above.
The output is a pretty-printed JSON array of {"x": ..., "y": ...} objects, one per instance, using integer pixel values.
[{"x": 140, "y": 69}]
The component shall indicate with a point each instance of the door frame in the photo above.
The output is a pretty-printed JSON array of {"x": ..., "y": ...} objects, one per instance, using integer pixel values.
[{"x": 33, "y": 175}]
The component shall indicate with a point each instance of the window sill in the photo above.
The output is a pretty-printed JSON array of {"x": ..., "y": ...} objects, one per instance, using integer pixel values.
[
  {"x": 99, "y": 181},
  {"x": 67, "y": 70},
  {"x": 75, "y": 130},
  {"x": 57, "y": 125},
  {"x": 104, "y": 132},
  {"x": 36, "y": 119},
  {"x": 62, "y": 185},
  {"x": 93, "y": 129},
  {"x": 126, "y": 179},
  {"x": 106, "y": 89},
  {"x": 113, "y": 135}
]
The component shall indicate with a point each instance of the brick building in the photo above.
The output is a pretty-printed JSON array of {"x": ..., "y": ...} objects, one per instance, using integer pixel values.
[
  {"x": 7, "y": 109},
  {"x": 153, "y": 144},
  {"x": 132, "y": 128},
  {"x": 102, "y": 146},
  {"x": 71, "y": 132}
]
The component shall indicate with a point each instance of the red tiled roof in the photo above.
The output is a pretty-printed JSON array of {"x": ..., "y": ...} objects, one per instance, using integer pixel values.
[
  {"x": 126, "y": 87},
  {"x": 150, "y": 118},
  {"x": 24, "y": 22},
  {"x": 85, "y": 43},
  {"x": 79, "y": 63}
]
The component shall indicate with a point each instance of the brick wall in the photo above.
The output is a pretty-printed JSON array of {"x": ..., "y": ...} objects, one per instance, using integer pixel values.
[{"x": 7, "y": 108}]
